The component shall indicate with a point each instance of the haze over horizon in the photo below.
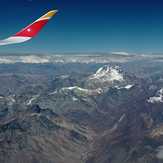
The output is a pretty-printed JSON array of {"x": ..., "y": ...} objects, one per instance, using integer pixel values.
[{"x": 86, "y": 26}]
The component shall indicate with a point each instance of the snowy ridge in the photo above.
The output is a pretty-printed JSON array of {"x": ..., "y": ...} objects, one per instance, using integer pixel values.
[
  {"x": 78, "y": 90},
  {"x": 82, "y": 90}
]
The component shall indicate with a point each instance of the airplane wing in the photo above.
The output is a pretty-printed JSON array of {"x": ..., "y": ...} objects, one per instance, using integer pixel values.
[{"x": 30, "y": 31}]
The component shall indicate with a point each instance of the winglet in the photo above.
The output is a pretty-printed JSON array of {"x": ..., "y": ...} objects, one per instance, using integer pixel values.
[
  {"x": 30, "y": 31},
  {"x": 48, "y": 15}
]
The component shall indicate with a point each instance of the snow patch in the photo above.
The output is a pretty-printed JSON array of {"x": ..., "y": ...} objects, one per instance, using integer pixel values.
[
  {"x": 11, "y": 100},
  {"x": 32, "y": 99},
  {"x": 158, "y": 98},
  {"x": 75, "y": 88},
  {"x": 129, "y": 86},
  {"x": 53, "y": 93},
  {"x": 74, "y": 99}
]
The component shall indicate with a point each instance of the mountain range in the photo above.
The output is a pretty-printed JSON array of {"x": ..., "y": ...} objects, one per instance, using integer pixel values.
[{"x": 81, "y": 108}]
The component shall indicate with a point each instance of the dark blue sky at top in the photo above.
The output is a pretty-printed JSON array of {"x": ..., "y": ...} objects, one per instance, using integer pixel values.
[{"x": 86, "y": 25}]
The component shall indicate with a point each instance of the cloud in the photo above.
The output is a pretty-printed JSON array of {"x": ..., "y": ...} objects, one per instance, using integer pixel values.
[{"x": 120, "y": 53}]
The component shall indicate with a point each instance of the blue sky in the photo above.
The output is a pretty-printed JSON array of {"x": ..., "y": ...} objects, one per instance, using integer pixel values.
[{"x": 86, "y": 25}]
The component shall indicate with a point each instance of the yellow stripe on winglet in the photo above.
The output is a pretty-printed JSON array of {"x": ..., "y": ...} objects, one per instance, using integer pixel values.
[{"x": 49, "y": 14}]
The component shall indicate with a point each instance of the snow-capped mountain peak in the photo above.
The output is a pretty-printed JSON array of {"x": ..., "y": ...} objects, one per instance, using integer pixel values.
[{"x": 108, "y": 73}]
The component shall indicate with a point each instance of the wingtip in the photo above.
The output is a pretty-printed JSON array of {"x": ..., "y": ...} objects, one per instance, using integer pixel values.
[
  {"x": 49, "y": 14},
  {"x": 55, "y": 11},
  {"x": 52, "y": 12}
]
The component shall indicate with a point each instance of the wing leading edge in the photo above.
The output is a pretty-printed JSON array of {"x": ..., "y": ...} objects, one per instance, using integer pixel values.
[{"x": 30, "y": 31}]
